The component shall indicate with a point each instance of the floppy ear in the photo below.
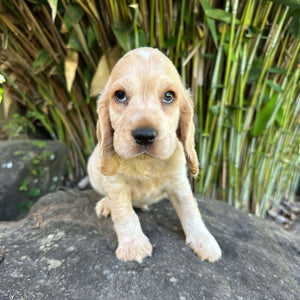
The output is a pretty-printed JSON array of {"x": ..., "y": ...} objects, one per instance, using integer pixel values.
[
  {"x": 109, "y": 160},
  {"x": 187, "y": 132}
]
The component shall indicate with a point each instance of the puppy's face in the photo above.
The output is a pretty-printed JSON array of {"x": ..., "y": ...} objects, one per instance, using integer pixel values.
[
  {"x": 144, "y": 95},
  {"x": 142, "y": 111}
]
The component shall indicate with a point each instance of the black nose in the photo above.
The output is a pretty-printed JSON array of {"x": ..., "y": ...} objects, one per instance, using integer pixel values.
[{"x": 144, "y": 136}]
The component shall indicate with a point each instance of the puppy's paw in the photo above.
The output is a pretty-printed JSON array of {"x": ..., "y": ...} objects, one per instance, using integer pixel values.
[
  {"x": 135, "y": 248},
  {"x": 102, "y": 208},
  {"x": 205, "y": 246}
]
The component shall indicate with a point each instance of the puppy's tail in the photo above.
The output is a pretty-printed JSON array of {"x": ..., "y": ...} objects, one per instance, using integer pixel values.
[{"x": 83, "y": 183}]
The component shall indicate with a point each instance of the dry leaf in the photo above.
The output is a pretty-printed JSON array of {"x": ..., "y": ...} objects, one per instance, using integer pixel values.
[
  {"x": 53, "y": 6},
  {"x": 103, "y": 71},
  {"x": 71, "y": 63},
  {"x": 7, "y": 100}
]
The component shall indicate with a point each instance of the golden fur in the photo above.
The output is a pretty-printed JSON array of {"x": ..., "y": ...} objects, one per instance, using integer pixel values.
[{"x": 132, "y": 175}]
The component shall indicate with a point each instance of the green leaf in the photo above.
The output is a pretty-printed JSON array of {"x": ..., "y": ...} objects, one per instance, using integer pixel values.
[
  {"x": 73, "y": 42},
  {"x": 34, "y": 172},
  {"x": 263, "y": 116},
  {"x": 212, "y": 26},
  {"x": 39, "y": 144},
  {"x": 279, "y": 117},
  {"x": 24, "y": 185},
  {"x": 253, "y": 75},
  {"x": 142, "y": 38},
  {"x": 35, "y": 161},
  {"x": 209, "y": 55},
  {"x": 45, "y": 94},
  {"x": 34, "y": 192},
  {"x": 76, "y": 13},
  {"x": 233, "y": 56},
  {"x": 205, "y": 5},
  {"x": 59, "y": 69},
  {"x": 295, "y": 24},
  {"x": 41, "y": 61},
  {"x": 276, "y": 71},
  {"x": 91, "y": 37},
  {"x": 210, "y": 22},
  {"x": 220, "y": 15},
  {"x": 215, "y": 109},
  {"x": 255, "y": 70},
  {"x": 274, "y": 86},
  {"x": 171, "y": 42},
  {"x": 123, "y": 36}
]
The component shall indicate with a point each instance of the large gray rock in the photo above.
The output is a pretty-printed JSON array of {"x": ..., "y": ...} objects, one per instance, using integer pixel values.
[
  {"x": 61, "y": 251},
  {"x": 29, "y": 169}
]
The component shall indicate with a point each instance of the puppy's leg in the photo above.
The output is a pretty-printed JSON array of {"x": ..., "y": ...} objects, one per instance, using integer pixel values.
[
  {"x": 102, "y": 208},
  {"x": 132, "y": 243},
  {"x": 197, "y": 235}
]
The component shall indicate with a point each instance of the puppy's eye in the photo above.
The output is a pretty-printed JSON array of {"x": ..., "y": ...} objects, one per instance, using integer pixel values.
[
  {"x": 120, "y": 96},
  {"x": 169, "y": 97}
]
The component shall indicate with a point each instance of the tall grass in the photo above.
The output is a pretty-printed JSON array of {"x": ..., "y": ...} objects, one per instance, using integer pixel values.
[{"x": 240, "y": 58}]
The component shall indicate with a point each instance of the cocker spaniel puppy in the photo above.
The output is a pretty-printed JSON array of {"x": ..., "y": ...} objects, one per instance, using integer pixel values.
[{"x": 146, "y": 139}]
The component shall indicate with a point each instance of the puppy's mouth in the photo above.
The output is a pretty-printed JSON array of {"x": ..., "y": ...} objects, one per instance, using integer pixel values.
[{"x": 144, "y": 151}]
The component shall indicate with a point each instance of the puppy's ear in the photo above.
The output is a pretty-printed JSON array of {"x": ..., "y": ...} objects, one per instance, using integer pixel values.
[
  {"x": 109, "y": 160},
  {"x": 187, "y": 132}
]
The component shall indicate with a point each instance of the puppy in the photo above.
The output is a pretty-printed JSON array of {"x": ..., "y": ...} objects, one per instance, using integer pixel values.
[{"x": 146, "y": 139}]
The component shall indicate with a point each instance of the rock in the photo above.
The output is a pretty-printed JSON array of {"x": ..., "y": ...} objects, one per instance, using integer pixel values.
[
  {"x": 62, "y": 251},
  {"x": 28, "y": 170}
]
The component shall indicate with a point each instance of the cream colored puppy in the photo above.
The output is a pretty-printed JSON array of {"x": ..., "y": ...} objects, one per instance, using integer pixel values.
[{"x": 146, "y": 138}]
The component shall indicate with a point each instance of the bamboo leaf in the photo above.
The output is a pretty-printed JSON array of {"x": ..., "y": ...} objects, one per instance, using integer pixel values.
[
  {"x": 213, "y": 29},
  {"x": 76, "y": 13},
  {"x": 71, "y": 64},
  {"x": 53, "y": 6},
  {"x": 123, "y": 36},
  {"x": 263, "y": 117},
  {"x": 142, "y": 38},
  {"x": 210, "y": 22},
  {"x": 7, "y": 100},
  {"x": 220, "y": 15},
  {"x": 74, "y": 43},
  {"x": 103, "y": 71},
  {"x": 42, "y": 61},
  {"x": 279, "y": 117},
  {"x": 170, "y": 42},
  {"x": 205, "y": 5},
  {"x": 91, "y": 37},
  {"x": 295, "y": 23},
  {"x": 233, "y": 55},
  {"x": 276, "y": 71},
  {"x": 274, "y": 86},
  {"x": 215, "y": 109}
]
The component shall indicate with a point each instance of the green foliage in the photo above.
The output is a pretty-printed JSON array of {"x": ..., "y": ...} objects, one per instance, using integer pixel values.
[
  {"x": 38, "y": 163},
  {"x": 240, "y": 58},
  {"x": 18, "y": 127},
  {"x": 24, "y": 206}
]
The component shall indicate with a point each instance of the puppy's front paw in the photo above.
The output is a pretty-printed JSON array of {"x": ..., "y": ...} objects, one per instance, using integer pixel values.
[
  {"x": 205, "y": 246},
  {"x": 135, "y": 248},
  {"x": 102, "y": 208}
]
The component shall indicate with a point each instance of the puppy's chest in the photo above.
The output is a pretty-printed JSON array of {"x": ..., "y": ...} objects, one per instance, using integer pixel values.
[
  {"x": 147, "y": 184},
  {"x": 147, "y": 191}
]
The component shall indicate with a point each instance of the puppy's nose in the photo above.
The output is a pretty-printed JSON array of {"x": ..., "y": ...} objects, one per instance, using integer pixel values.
[{"x": 144, "y": 136}]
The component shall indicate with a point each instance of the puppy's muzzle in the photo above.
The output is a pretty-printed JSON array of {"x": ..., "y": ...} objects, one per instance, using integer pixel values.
[{"x": 144, "y": 136}]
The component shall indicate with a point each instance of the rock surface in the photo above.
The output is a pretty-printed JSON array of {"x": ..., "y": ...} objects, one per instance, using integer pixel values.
[
  {"x": 61, "y": 251},
  {"x": 28, "y": 170}
]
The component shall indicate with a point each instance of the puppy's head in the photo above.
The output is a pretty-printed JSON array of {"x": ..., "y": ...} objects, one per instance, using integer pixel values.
[{"x": 142, "y": 111}]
